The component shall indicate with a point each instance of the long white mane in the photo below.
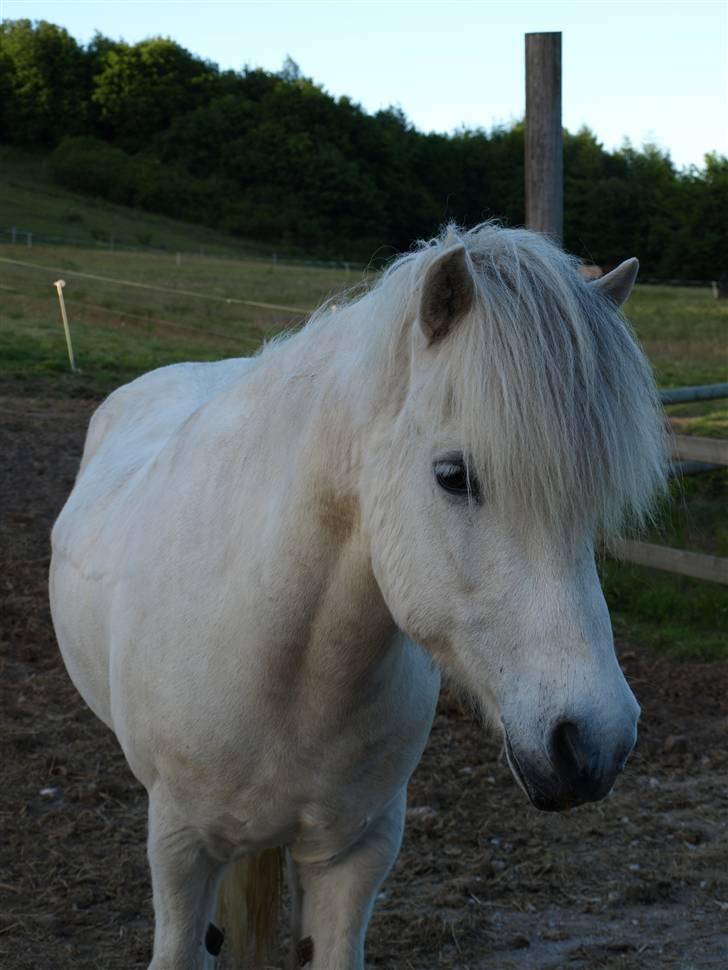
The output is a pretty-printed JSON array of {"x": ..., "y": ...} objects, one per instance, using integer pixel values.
[{"x": 556, "y": 402}]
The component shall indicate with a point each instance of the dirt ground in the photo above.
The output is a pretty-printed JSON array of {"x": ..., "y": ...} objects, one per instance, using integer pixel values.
[{"x": 639, "y": 880}]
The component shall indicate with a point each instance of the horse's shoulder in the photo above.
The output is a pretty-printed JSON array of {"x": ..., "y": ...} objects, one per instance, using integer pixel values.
[
  {"x": 139, "y": 417},
  {"x": 128, "y": 431}
]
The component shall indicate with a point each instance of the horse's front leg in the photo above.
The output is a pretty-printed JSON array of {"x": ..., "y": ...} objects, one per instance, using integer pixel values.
[
  {"x": 184, "y": 884},
  {"x": 336, "y": 899}
]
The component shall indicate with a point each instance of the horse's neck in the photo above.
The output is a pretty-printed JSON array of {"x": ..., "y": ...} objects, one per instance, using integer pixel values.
[
  {"x": 347, "y": 652},
  {"x": 355, "y": 359}
]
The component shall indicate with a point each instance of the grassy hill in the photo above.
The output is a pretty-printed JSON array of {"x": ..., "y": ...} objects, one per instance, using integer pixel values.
[
  {"x": 684, "y": 331},
  {"x": 131, "y": 312},
  {"x": 123, "y": 328},
  {"x": 31, "y": 202}
]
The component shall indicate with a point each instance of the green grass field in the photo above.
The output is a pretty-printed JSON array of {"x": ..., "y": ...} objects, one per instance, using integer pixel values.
[{"x": 120, "y": 330}]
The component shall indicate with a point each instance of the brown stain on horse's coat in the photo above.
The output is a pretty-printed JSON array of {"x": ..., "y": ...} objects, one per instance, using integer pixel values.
[{"x": 338, "y": 514}]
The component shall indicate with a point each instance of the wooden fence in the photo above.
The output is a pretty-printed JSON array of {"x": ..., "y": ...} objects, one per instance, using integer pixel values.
[{"x": 701, "y": 454}]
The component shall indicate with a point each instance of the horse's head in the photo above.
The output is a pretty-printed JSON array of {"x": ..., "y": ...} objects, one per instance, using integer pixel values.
[{"x": 529, "y": 423}]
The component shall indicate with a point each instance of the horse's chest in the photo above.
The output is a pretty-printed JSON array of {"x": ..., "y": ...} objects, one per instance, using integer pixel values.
[
  {"x": 324, "y": 834},
  {"x": 322, "y": 802},
  {"x": 318, "y": 792},
  {"x": 317, "y": 807}
]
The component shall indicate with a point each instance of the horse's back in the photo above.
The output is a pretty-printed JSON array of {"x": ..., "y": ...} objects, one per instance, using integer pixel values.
[
  {"x": 142, "y": 415},
  {"x": 126, "y": 433},
  {"x": 131, "y": 428}
]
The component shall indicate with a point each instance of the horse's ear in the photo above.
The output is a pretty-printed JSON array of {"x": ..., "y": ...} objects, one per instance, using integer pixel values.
[
  {"x": 448, "y": 292},
  {"x": 617, "y": 285}
]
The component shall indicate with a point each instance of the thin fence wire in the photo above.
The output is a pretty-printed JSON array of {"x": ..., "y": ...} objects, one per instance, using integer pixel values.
[
  {"x": 85, "y": 312},
  {"x": 176, "y": 291},
  {"x": 109, "y": 301},
  {"x": 231, "y": 323}
]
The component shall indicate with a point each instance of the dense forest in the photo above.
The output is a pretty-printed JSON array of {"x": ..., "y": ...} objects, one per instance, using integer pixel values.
[{"x": 274, "y": 157}]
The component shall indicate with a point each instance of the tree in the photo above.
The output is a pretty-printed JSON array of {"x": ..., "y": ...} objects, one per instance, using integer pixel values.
[
  {"x": 139, "y": 90},
  {"x": 44, "y": 83},
  {"x": 700, "y": 249},
  {"x": 272, "y": 155}
]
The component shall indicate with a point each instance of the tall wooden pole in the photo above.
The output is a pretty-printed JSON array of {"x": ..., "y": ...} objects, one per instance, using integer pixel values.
[{"x": 544, "y": 144}]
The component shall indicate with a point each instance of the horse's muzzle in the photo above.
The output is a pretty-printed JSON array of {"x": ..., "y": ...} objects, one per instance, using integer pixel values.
[{"x": 578, "y": 771}]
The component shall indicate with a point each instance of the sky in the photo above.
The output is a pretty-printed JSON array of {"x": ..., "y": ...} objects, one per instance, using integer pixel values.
[{"x": 647, "y": 70}]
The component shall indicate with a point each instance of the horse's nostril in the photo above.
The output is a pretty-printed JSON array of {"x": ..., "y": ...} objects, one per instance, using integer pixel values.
[
  {"x": 584, "y": 765},
  {"x": 567, "y": 752}
]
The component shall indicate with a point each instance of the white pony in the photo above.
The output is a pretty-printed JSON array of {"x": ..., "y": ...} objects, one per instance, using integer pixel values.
[{"x": 264, "y": 564}]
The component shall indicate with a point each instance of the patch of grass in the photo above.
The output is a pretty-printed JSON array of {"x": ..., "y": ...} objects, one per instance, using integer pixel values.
[
  {"x": 695, "y": 514},
  {"x": 677, "y": 614},
  {"x": 680, "y": 616},
  {"x": 120, "y": 330},
  {"x": 684, "y": 331},
  {"x": 707, "y": 418},
  {"x": 36, "y": 358}
]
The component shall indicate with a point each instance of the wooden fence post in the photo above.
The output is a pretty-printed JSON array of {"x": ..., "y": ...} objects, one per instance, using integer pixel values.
[{"x": 544, "y": 144}]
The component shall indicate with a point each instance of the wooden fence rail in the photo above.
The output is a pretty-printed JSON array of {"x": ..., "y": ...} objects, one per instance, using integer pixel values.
[
  {"x": 699, "y": 565},
  {"x": 703, "y": 392},
  {"x": 685, "y": 447}
]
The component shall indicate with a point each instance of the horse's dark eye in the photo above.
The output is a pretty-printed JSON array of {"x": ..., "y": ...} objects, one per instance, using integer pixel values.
[{"x": 451, "y": 475}]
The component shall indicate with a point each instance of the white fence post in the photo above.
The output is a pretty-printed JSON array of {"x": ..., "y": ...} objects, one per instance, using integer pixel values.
[{"x": 59, "y": 284}]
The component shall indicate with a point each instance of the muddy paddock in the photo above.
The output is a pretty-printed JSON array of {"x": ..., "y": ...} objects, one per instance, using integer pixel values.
[{"x": 483, "y": 881}]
